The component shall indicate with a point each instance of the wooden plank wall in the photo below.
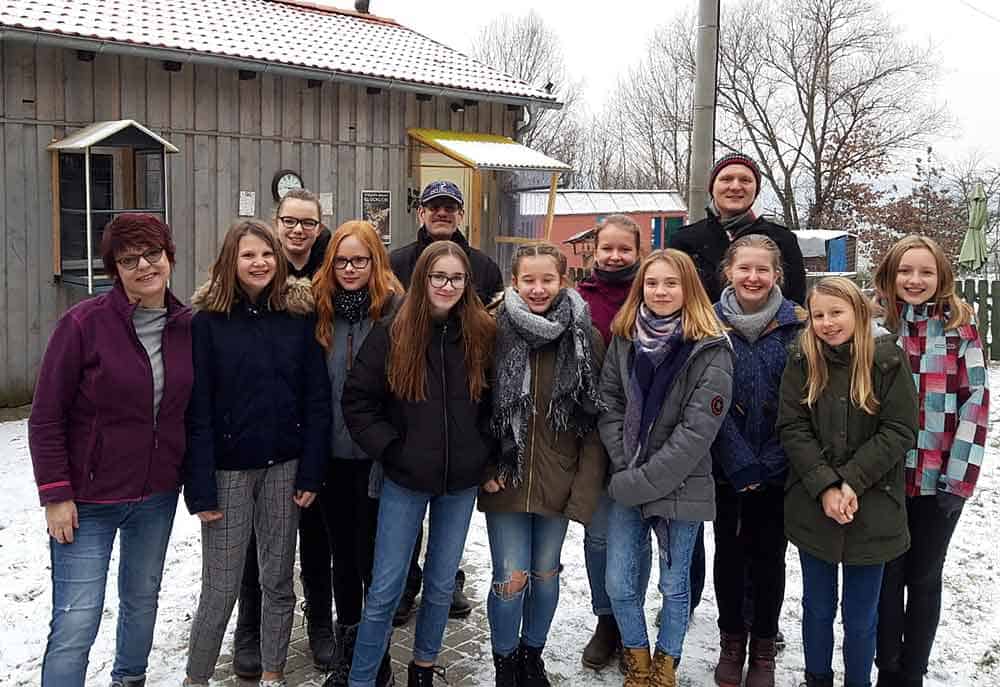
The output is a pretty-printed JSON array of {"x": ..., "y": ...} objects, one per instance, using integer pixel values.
[{"x": 233, "y": 135}]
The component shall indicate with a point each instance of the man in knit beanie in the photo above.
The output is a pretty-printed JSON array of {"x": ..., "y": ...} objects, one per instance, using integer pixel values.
[{"x": 734, "y": 185}]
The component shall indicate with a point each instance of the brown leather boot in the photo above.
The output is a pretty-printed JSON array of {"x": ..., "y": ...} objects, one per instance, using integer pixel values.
[
  {"x": 664, "y": 672},
  {"x": 761, "y": 672},
  {"x": 732, "y": 657},
  {"x": 637, "y": 667}
]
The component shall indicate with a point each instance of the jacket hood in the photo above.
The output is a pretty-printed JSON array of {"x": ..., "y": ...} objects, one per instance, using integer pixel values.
[{"x": 298, "y": 296}]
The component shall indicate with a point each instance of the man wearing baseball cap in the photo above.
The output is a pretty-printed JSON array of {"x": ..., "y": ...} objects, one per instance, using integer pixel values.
[
  {"x": 441, "y": 211},
  {"x": 734, "y": 186}
]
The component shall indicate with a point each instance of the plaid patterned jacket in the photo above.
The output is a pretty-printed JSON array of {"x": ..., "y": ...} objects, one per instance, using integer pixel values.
[{"x": 950, "y": 374}]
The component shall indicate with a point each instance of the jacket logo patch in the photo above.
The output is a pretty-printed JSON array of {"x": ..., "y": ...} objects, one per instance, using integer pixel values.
[{"x": 717, "y": 405}]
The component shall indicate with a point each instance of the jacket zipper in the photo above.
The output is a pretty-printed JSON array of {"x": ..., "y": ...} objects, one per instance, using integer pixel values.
[
  {"x": 152, "y": 389},
  {"x": 531, "y": 438},
  {"x": 444, "y": 407},
  {"x": 350, "y": 347}
]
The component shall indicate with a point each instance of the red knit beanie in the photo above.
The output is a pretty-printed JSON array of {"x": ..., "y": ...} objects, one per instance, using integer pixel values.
[{"x": 735, "y": 159}]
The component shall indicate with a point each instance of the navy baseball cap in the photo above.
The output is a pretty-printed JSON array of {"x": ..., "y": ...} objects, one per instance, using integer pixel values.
[{"x": 441, "y": 189}]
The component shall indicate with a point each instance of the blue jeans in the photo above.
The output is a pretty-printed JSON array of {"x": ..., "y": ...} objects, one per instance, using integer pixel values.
[
  {"x": 595, "y": 552},
  {"x": 859, "y": 609},
  {"x": 529, "y": 544},
  {"x": 400, "y": 516},
  {"x": 79, "y": 578},
  {"x": 627, "y": 532}
]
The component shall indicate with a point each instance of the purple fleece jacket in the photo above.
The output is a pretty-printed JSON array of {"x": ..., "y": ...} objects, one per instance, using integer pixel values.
[
  {"x": 605, "y": 300},
  {"x": 92, "y": 433}
]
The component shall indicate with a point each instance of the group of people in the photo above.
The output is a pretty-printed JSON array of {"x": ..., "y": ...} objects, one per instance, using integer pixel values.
[{"x": 327, "y": 391}]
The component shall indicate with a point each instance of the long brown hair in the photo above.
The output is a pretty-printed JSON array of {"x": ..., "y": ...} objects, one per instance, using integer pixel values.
[
  {"x": 411, "y": 330},
  {"x": 381, "y": 285},
  {"x": 698, "y": 318},
  {"x": 946, "y": 301},
  {"x": 862, "y": 346},
  {"x": 224, "y": 287}
]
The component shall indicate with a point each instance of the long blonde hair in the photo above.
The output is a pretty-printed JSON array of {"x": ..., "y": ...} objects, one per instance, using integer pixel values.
[
  {"x": 698, "y": 318},
  {"x": 382, "y": 283},
  {"x": 946, "y": 301},
  {"x": 862, "y": 347}
]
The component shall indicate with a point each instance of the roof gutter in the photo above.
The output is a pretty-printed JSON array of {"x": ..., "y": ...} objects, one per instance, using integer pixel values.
[{"x": 99, "y": 46}]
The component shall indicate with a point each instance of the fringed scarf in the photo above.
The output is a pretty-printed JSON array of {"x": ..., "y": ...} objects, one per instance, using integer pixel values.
[{"x": 575, "y": 399}]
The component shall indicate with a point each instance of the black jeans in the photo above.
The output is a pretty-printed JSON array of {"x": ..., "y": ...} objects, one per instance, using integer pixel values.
[
  {"x": 906, "y": 629},
  {"x": 749, "y": 540},
  {"x": 314, "y": 560},
  {"x": 351, "y": 519}
]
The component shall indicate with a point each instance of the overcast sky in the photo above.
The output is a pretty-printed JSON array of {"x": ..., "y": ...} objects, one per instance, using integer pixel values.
[{"x": 602, "y": 39}]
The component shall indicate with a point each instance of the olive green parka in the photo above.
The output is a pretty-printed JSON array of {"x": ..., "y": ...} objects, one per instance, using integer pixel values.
[{"x": 835, "y": 442}]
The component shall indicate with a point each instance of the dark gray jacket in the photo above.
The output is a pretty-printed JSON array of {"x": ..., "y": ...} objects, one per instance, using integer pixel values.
[
  {"x": 673, "y": 475},
  {"x": 347, "y": 340}
]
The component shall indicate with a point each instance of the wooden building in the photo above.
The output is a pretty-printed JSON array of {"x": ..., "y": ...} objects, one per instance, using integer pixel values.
[{"x": 252, "y": 95}]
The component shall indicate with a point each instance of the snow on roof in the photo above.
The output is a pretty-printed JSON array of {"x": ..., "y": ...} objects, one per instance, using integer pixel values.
[
  {"x": 102, "y": 131},
  {"x": 297, "y": 34},
  {"x": 584, "y": 202},
  {"x": 488, "y": 151}
]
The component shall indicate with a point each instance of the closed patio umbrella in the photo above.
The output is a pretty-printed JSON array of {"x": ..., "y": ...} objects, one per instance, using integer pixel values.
[{"x": 973, "y": 254}]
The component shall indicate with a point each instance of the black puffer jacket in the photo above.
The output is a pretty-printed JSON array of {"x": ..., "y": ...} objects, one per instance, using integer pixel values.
[
  {"x": 437, "y": 446},
  {"x": 706, "y": 242},
  {"x": 485, "y": 273}
]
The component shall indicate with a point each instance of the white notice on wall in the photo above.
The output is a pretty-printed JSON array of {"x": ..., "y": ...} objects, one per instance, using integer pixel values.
[
  {"x": 326, "y": 203},
  {"x": 248, "y": 201}
]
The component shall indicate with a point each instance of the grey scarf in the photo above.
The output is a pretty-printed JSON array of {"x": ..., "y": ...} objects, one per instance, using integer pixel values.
[
  {"x": 750, "y": 325},
  {"x": 732, "y": 225},
  {"x": 575, "y": 397}
]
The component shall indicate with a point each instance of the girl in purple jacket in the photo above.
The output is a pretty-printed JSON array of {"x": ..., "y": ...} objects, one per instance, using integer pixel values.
[{"x": 107, "y": 442}]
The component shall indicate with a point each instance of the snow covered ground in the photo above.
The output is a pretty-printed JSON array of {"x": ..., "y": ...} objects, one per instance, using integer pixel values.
[{"x": 967, "y": 651}]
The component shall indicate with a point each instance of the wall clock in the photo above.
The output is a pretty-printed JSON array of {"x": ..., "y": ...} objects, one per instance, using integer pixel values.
[{"x": 284, "y": 181}]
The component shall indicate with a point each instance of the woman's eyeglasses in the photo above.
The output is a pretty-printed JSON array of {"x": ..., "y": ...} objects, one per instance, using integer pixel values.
[
  {"x": 357, "y": 262},
  {"x": 438, "y": 280},
  {"x": 130, "y": 262},
  {"x": 291, "y": 222}
]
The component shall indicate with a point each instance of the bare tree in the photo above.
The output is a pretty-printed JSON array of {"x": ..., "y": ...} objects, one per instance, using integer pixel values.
[
  {"x": 821, "y": 92},
  {"x": 526, "y": 48}
]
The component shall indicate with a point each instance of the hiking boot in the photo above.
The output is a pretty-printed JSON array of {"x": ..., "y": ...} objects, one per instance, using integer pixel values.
[
  {"x": 761, "y": 671},
  {"x": 531, "y": 667},
  {"x": 129, "y": 682},
  {"x": 407, "y": 606},
  {"x": 506, "y": 669},
  {"x": 423, "y": 676},
  {"x": 664, "y": 673},
  {"x": 604, "y": 644},
  {"x": 732, "y": 657},
  {"x": 638, "y": 666},
  {"x": 817, "y": 681},
  {"x": 340, "y": 670},
  {"x": 460, "y": 605},
  {"x": 322, "y": 640},
  {"x": 246, "y": 638}
]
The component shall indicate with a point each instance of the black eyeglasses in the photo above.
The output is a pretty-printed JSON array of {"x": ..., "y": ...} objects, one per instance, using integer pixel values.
[
  {"x": 291, "y": 222},
  {"x": 130, "y": 262},
  {"x": 438, "y": 280},
  {"x": 357, "y": 262}
]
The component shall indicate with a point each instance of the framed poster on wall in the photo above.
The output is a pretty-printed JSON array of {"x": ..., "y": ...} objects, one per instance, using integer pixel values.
[{"x": 376, "y": 208}]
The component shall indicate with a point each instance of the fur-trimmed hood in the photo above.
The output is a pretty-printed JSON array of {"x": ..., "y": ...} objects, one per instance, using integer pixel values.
[{"x": 298, "y": 296}]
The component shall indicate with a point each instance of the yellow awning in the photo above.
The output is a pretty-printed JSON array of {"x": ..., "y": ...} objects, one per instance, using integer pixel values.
[{"x": 487, "y": 151}]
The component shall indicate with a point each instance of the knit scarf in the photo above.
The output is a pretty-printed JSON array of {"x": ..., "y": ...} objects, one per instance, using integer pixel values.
[
  {"x": 732, "y": 225},
  {"x": 575, "y": 399},
  {"x": 351, "y": 306},
  {"x": 750, "y": 325},
  {"x": 623, "y": 275},
  {"x": 656, "y": 338}
]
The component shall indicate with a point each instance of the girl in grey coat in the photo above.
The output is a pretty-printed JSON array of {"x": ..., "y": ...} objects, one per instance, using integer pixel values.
[{"x": 667, "y": 381}]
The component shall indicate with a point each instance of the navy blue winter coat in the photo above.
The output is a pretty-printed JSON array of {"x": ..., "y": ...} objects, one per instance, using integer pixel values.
[
  {"x": 261, "y": 395},
  {"x": 747, "y": 449}
]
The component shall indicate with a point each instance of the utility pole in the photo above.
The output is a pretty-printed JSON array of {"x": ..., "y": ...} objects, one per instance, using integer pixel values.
[{"x": 703, "y": 134}]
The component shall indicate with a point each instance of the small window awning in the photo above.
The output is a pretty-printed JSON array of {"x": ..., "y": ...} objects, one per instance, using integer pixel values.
[
  {"x": 119, "y": 132},
  {"x": 487, "y": 151}
]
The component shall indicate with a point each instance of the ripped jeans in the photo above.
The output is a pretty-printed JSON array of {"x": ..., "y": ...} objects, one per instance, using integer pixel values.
[{"x": 525, "y": 548}]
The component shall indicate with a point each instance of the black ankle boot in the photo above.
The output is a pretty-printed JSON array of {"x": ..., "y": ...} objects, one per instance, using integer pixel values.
[
  {"x": 604, "y": 644},
  {"x": 531, "y": 667},
  {"x": 506, "y": 669},
  {"x": 460, "y": 605},
  {"x": 246, "y": 637},
  {"x": 422, "y": 676},
  {"x": 346, "y": 636},
  {"x": 406, "y": 608}
]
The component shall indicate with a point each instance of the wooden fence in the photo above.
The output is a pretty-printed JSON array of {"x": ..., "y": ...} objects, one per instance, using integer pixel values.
[{"x": 984, "y": 296}]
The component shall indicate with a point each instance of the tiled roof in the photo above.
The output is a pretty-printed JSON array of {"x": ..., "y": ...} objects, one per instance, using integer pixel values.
[
  {"x": 581, "y": 202},
  {"x": 288, "y": 33}
]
